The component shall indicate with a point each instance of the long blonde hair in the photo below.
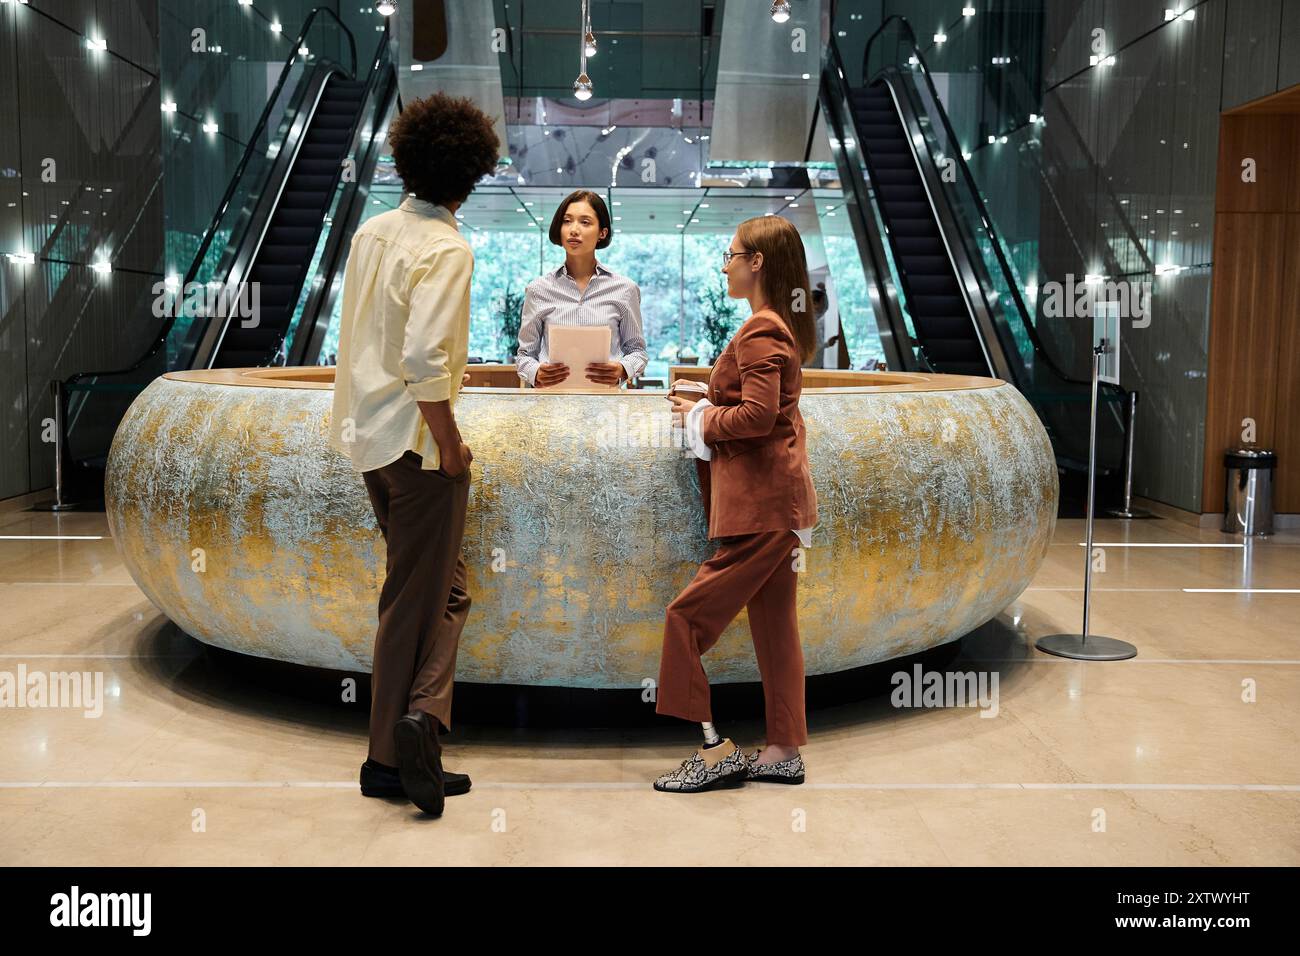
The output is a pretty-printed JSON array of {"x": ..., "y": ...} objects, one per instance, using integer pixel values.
[{"x": 783, "y": 276}]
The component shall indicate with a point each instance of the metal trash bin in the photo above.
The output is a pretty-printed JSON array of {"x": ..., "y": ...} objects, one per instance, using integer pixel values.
[{"x": 1248, "y": 494}]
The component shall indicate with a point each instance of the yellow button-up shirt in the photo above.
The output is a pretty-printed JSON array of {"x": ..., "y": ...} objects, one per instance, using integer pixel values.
[{"x": 404, "y": 334}]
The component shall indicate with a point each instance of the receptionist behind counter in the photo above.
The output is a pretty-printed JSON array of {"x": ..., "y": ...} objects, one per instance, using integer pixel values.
[{"x": 581, "y": 292}]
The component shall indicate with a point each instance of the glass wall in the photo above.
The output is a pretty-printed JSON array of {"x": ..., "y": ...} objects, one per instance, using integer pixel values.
[{"x": 675, "y": 273}]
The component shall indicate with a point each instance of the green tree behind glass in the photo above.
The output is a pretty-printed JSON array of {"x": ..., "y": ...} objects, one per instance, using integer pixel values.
[
  {"x": 509, "y": 314},
  {"x": 717, "y": 319}
]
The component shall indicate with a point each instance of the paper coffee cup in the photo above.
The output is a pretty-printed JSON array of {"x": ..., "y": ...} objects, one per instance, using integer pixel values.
[{"x": 685, "y": 386}]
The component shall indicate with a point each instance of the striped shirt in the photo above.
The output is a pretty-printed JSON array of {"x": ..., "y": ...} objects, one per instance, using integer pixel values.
[{"x": 555, "y": 299}]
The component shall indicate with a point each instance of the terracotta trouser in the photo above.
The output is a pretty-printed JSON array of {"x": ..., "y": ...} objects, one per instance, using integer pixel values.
[
  {"x": 753, "y": 571},
  {"x": 424, "y": 601}
]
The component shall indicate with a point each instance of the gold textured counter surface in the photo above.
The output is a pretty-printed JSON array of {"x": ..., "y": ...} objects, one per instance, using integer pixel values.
[{"x": 937, "y": 497}]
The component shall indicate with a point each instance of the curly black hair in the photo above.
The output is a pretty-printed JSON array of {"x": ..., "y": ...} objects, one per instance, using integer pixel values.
[{"x": 442, "y": 145}]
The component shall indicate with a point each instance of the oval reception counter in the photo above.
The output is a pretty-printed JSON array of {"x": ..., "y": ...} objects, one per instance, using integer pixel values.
[{"x": 937, "y": 497}]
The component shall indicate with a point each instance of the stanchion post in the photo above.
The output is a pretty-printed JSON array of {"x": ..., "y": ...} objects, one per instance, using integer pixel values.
[{"x": 1085, "y": 647}]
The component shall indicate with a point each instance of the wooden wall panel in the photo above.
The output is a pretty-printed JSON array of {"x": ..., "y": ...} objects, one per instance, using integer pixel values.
[
  {"x": 1245, "y": 335},
  {"x": 1287, "y": 440},
  {"x": 1254, "y": 357},
  {"x": 1271, "y": 140}
]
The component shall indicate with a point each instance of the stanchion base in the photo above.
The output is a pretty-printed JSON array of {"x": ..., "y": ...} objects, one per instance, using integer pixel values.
[
  {"x": 1092, "y": 648},
  {"x": 56, "y": 506},
  {"x": 1129, "y": 513}
]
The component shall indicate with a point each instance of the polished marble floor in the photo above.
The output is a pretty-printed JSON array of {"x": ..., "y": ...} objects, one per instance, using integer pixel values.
[{"x": 1187, "y": 755}]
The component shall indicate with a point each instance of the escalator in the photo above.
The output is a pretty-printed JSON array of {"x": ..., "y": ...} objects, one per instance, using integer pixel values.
[
  {"x": 282, "y": 258},
  {"x": 946, "y": 296},
  {"x": 930, "y": 283},
  {"x": 257, "y": 288}
]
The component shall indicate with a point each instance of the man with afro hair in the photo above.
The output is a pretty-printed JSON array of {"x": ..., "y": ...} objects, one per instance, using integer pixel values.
[{"x": 403, "y": 345}]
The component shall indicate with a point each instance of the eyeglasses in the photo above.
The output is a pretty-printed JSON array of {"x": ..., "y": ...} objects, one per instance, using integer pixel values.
[{"x": 729, "y": 255}]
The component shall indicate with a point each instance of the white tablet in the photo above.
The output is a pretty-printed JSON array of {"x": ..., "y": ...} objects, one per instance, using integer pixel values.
[{"x": 577, "y": 346}]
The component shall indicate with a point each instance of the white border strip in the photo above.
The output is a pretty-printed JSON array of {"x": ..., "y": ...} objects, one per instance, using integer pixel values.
[
  {"x": 622, "y": 785},
  {"x": 1155, "y": 544}
]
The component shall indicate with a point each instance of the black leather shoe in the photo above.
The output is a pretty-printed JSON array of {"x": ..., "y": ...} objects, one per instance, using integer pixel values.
[
  {"x": 378, "y": 780},
  {"x": 419, "y": 762}
]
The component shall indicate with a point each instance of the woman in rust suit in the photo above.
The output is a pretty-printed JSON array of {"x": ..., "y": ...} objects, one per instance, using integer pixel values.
[{"x": 760, "y": 505}]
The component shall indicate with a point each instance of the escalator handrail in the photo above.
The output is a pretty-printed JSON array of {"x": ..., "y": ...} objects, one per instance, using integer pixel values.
[
  {"x": 969, "y": 178},
  {"x": 383, "y": 53},
  {"x": 161, "y": 339}
]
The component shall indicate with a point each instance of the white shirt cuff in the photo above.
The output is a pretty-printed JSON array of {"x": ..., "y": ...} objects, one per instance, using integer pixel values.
[{"x": 694, "y": 426}]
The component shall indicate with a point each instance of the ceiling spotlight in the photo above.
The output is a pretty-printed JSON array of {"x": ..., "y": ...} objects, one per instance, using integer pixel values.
[
  {"x": 968, "y": 11},
  {"x": 385, "y": 8},
  {"x": 582, "y": 87},
  {"x": 780, "y": 10}
]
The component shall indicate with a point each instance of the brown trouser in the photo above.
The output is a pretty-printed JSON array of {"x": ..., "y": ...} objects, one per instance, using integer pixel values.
[
  {"x": 753, "y": 571},
  {"x": 424, "y": 601}
]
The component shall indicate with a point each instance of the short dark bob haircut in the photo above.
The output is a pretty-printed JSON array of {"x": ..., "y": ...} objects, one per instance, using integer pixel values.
[
  {"x": 442, "y": 145},
  {"x": 596, "y": 203}
]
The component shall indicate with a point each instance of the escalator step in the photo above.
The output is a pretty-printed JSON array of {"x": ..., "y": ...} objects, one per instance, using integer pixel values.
[
  {"x": 276, "y": 296},
  {"x": 936, "y": 304},
  {"x": 907, "y": 209},
  {"x": 951, "y": 330},
  {"x": 257, "y": 339},
  {"x": 919, "y": 227},
  {"x": 302, "y": 199},
  {"x": 883, "y": 131},
  {"x": 930, "y": 284},
  {"x": 334, "y": 138},
  {"x": 308, "y": 182},
  {"x": 330, "y": 106},
  {"x": 903, "y": 196},
  {"x": 233, "y": 359},
  {"x": 315, "y": 165},
  {"x": 314, "y": 152},
  {"x": 281, "y": 254},
  {"x": 324, "y": 154},
  {"x": 887, "y": 147},
  {"x": 870, "y": 93},
  {"x": 296, "y": 218},
  {"x": 918, "y": 246},
  {"x": 953, "y": 350},
  {"x": 876, "y": 119},
  {"x": 914, "y": 265},
  {"x": 294, "y": 236},
  {"x": 276, "y": 274},
  {"x": 331, "y": 121},
  {"x": 901, "y": 176},
  {"x": 893, "y": 159}
]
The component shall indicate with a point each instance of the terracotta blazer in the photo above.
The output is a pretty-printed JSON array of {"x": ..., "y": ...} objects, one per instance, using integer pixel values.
[{"x": 758, "y": 478}]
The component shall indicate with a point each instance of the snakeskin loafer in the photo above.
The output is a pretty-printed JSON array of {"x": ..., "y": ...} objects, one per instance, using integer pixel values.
[
  {"x": 713, "y": 769},
  {"x": 784, "y": 771}
]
